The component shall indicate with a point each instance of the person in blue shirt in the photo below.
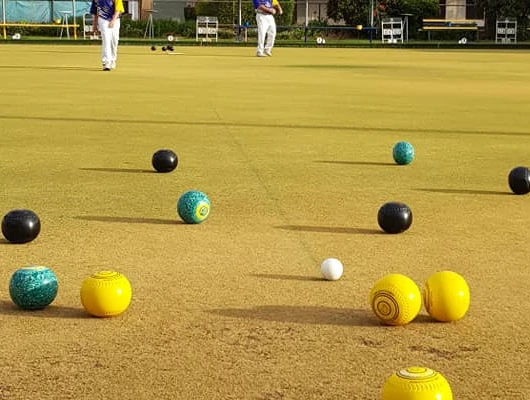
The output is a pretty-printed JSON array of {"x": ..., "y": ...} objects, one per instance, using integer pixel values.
[
  {"x": 265, "y": 11},
  {"x": 107, "y": 18}
]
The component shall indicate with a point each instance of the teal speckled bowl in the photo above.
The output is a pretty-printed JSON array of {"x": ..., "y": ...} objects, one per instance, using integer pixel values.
[
  {"x": 33, "y": 287},
  {"x": 193, "y": 207},
  {"x": 403, "y": 153}
]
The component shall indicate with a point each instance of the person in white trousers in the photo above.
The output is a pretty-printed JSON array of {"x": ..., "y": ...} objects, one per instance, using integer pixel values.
[
  {"x": 107, "y": 18},
  {"x": 265, "y": 11}
]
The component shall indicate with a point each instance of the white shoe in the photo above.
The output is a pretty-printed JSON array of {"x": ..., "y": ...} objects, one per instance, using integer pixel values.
[
  {"x": 113, "y": 65},
  {"x": 268, "y": 53},
  {"x": 260, "y": 55}
]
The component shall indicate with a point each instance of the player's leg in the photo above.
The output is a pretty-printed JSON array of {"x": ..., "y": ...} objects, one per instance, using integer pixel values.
[
  {"x": 114, "y": 43},
  {"x": 271, "y": 36},
  {"x": 262, "y": 30},
  {"x": 106, "y": 33}
]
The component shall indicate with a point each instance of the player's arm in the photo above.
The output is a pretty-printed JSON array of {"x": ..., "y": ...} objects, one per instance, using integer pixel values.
[
  {"x": 94, "y": 8},
  {"x": 265, "y": 9},
  {"x": 118, "y": 10},
  {"x": 94, "y": 12},
  {"x": 277, "y": 6}
]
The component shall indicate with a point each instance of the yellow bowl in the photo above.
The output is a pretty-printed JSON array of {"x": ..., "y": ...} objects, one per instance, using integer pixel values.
[
  {"x": 446, "y": 296},
  {"x": 416, "y": 383},
  {"x": 106, "y": 294},
  {"x": 395, "y": 299}
]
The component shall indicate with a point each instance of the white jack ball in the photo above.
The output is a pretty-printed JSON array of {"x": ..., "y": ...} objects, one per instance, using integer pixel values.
[{"x": 331, "y": 269}]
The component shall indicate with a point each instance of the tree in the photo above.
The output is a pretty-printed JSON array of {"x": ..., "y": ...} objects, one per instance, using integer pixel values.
[
  {"x": 419, "y": 9},
  {"x": 357, "y": 12},
  {"x": 227, "y": 11},
  {"x": 494, "y": 9},
  {"x": 505, "y": 8},
  {"x": 353, "y": 12}
]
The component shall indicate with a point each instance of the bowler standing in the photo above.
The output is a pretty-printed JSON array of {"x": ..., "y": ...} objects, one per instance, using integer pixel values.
[
  {"x": 107, "y": 18},
  {"x": 265, "y": 12}
]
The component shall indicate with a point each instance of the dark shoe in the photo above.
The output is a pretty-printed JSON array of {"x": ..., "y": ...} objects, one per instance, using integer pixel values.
[{"x": 106, "y": 69}]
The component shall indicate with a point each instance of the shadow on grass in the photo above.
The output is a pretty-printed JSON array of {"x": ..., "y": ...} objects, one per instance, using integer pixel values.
[
  {"x": 313, "y": 315},
  {"x": 328, "y": 66},
  {"x": 59, "y": 50},
  {"x": 127, "y": 170},
  {"x": 331, "y": 229},
  {"x": 357, "y": 162},
  {"x": 426, "y": 319},
  {"x": 9, "y": 308},
  {"x": 49, "y": 67},
  {"x": 465, "y": 191},
  {"x": 130, "y": 220},
  {"x": 216, "y": 123},
  {"x": 5, "y": 241},
  {"x": 288, "y": 277}
]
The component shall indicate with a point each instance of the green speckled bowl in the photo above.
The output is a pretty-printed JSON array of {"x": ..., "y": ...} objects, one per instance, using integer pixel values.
[
  {"x": 403, "y": 153},
  {"x": 33, "y": 287},
  {"x": 193, "y": 207}
]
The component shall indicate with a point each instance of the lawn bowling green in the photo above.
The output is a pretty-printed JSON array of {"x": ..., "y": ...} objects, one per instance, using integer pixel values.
[{"x": 236, "y": 307}]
